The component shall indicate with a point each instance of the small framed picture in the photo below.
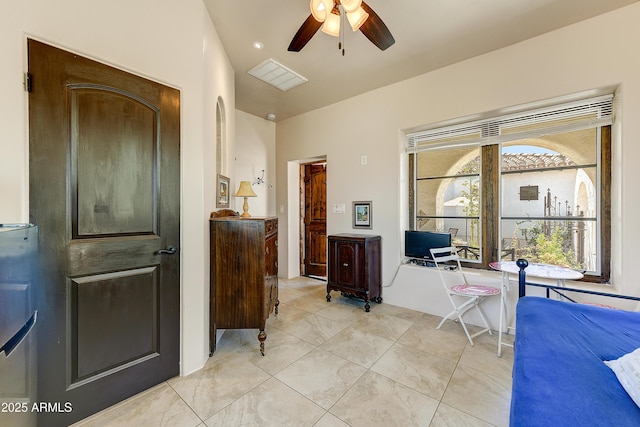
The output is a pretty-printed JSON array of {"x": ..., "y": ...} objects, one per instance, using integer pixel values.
[
  {"x": 362, "y": 214},
  {"x": 222, "y": 192}
]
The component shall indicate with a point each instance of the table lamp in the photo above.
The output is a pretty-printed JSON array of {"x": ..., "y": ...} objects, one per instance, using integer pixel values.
[{"x": 245, "y": 191}]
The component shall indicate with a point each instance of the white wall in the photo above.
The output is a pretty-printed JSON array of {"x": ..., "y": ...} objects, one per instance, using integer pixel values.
[
  {"x": 568, "y": 61},
  {"x": 172, "y": 42},
  {"x": 255, "y": 152}
]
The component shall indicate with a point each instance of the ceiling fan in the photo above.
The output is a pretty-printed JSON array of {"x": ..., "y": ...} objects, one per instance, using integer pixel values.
[{"x": 327, "y": 14}]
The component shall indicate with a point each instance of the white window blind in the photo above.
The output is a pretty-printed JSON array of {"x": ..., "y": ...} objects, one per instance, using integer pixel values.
[{"x": 567, "y": 117}]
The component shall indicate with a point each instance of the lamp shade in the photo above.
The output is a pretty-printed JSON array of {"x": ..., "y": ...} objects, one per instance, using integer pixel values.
[
  {"x": 331, "y": 25},
  {"x": 320, "y": 9},
  {"x": 350, "y": 5},
  {"x": 245, "y": 190},
  {"x": 357, "y": 18}
]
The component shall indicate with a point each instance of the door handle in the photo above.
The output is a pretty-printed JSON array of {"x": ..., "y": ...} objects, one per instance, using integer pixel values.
[{"x": 169, "y": 250}]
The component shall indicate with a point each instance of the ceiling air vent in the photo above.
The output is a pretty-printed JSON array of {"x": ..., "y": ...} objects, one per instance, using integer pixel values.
[{"x": 277, "y": 75}]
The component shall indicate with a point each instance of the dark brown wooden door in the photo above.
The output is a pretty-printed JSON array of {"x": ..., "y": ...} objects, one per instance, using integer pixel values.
[
  {"x": 104, "y": 192},
  {"x": 315, "y": 220}
]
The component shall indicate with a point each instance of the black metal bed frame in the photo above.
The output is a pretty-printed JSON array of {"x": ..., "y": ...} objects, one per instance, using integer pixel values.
[{"x": 522, "y": 284}]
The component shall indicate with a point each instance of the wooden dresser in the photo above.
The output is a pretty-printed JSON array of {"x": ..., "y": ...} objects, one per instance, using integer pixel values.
[
  {"x": 244, "y": 274},
  {"x": 354, "y": 267}
]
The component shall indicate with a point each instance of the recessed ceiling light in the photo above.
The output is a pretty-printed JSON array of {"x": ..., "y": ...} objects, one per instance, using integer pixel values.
[{"x": 258, "y": 45}]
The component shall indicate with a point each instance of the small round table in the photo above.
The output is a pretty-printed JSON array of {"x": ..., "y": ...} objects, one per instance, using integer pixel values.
[{"x": 545, "y": 271}]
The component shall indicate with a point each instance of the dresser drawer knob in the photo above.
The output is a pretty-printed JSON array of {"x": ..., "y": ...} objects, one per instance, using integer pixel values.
[{"x": 345, "y": 265}]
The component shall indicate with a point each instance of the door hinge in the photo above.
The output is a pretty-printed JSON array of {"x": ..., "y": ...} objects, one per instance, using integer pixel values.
[{"x": 27, "y": 82}]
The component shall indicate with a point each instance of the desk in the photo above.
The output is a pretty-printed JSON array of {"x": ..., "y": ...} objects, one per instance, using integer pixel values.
[{"x": 544, "y": 271}]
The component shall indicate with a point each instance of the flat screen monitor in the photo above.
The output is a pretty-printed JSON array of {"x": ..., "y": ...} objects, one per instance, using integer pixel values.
[{"x": 418, "y": 243}]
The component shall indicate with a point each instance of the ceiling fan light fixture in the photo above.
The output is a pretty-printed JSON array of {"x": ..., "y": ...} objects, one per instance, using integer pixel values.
[
  {"x": 357, "y": 18},
  {"x": 327, "y": 14},
  {"x": 351, "y": 5},
  {"x": 331, "y": 25},
  {"x": 320, "y": 9}
]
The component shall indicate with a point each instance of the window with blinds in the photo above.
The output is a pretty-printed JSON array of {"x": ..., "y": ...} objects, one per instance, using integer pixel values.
[
  {"x": 533, "y": 184},
  {"x": 579, "y": 115}
]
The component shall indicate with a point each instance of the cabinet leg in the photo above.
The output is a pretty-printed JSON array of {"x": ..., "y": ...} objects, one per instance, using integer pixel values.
[
  {"x": 328, "y": 296},
  {"x": 367, "y": 307},
  {"x": 262, "y": 336},
  {"x": 277, "y": 304}
]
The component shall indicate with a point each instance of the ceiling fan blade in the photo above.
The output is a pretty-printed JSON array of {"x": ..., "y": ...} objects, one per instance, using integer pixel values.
[
  {"x": 376, "y": 30},
  {"x": 304, "y": 34}
]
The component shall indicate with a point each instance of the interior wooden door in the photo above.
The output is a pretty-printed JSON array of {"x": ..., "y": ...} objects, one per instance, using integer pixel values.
[
  {"x": 315, "y": 219},
  {"x": 104, "y": 192}
]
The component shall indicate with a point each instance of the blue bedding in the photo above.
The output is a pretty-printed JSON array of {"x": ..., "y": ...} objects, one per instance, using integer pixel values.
[{"x": 559, "y": 378}]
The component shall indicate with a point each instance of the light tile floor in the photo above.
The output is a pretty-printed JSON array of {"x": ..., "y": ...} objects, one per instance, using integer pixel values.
[{"x": 332, "y": 364}]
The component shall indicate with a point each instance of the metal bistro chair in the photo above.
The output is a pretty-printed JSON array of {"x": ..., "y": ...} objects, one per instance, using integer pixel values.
[
  {"x": 453, "y": 232},
  {"x": 472, "y": 294}
]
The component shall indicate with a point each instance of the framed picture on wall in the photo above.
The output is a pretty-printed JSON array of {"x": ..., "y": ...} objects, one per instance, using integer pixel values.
[
  {"x": 222, "y": 192},
  {"x": 362, "y": 214}
]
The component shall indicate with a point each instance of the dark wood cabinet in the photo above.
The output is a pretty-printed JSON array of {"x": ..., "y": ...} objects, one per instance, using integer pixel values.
[
  {"x": 244, "y": 274},
  {"x": 354, "y": 267}
]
